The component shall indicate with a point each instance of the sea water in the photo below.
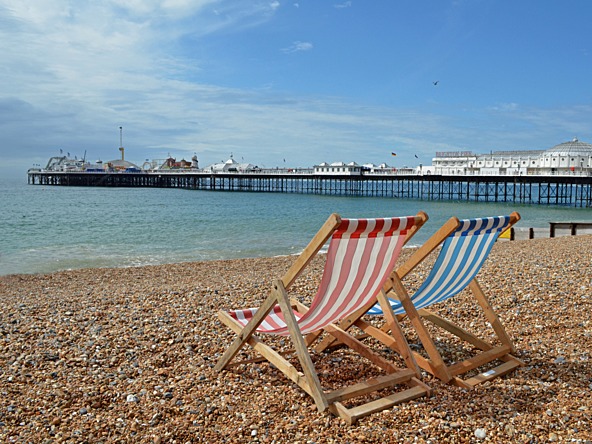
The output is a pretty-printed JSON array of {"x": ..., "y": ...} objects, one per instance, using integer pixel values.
[{"x": 50, "y": 228}]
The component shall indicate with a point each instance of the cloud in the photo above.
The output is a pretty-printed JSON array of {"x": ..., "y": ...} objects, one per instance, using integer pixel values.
[
  {"x": 298, "y": 46},
  {"x": 506, "y": 107},
  {"x": 346, "y": 4}
]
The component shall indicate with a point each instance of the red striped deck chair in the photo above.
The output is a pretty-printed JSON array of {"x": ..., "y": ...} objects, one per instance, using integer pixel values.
[
  {"x": 466, "y": 244},
  {"x": 360, "y": 260}
]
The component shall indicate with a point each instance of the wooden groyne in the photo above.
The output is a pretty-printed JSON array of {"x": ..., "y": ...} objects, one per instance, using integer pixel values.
[{"x": 569, "y": 191}]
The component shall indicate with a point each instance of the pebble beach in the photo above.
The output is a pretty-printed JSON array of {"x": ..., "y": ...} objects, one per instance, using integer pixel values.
[{"x": 126, "y": 355}]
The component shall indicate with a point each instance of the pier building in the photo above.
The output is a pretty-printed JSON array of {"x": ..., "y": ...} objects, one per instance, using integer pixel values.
[
  {"x": 561, "y": 175},
  {"x": 572, "y": 158}
]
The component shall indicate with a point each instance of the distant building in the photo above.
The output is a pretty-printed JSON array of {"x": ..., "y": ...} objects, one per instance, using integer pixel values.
[
  {"x": 230, "y": 166},
  {"x": 568, "y": 158},
  {"x": 121, "y": 164},
  {"x": 383, "y": 168},
  {"x": 338, "y": 169},
  {"x": 172, "y": 164}
]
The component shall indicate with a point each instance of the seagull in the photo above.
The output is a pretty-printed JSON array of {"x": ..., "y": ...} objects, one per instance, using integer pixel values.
[{"x": 436, "y": 83}]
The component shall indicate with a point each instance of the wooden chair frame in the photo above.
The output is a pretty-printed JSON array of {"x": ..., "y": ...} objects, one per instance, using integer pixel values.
[
  {"x": 307, "y": 379},
  {"x": 485, "y": 352}
]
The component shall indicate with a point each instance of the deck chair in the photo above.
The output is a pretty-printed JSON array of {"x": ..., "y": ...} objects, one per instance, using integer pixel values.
[
  {"x": 466, "y": 244},
  {"x": 360, "y": 260}
]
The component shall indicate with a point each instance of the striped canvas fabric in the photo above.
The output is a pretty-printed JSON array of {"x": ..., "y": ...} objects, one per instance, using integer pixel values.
[
  {"x": 362, "y": 253},
  {"x": 462, "y": 256}
]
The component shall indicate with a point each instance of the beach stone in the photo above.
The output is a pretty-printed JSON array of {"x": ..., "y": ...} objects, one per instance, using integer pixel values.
[{"x": 480, "y": 433}]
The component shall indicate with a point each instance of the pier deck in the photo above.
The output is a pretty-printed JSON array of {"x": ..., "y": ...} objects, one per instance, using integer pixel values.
[{"x": 569, "y": 191}]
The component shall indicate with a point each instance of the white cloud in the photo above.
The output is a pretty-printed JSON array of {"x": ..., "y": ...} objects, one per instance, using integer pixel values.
[
  {"x": 347, "y": 4},
  {"x": 297, "y": 47},
  {"x": 506, "y": 107}
]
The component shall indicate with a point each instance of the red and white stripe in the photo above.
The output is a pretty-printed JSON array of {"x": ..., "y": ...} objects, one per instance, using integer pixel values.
[{"x": 362, "y": 253}]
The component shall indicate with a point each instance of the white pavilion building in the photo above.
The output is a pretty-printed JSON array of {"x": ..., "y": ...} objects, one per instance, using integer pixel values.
[{"x": 568, "y": 158}]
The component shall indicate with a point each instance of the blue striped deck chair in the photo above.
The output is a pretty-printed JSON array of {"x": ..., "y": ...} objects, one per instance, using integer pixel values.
[{"x": 466, "y": 244}]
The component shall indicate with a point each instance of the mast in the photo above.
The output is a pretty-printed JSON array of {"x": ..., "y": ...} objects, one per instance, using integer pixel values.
[{"x": 121, "y": 142}]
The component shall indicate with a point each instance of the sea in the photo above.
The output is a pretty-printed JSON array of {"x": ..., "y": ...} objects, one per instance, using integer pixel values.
[{"x": 51, "y": 228}]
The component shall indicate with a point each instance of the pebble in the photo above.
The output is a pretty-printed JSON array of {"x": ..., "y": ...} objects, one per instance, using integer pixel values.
[{"x": 79, "y": 350}]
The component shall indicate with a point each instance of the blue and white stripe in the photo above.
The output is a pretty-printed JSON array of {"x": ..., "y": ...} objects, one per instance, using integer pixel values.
[{"x": 462, "y": 256}]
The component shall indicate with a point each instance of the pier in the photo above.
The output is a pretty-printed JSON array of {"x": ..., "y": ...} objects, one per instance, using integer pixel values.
[{"x": 561, "y": 190}]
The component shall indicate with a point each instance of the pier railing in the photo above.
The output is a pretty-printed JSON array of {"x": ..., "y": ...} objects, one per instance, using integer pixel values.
[{"x": 572, "y": 191}]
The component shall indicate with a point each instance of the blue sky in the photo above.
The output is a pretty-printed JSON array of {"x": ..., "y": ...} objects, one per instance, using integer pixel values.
[{"x": 290, "y": 83}]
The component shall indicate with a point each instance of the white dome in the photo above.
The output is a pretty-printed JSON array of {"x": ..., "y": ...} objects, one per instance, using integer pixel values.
[{"x": 572, "y": 148}]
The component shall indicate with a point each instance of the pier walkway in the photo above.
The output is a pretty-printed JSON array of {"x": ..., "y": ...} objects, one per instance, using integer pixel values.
[{"x": 572, "y": 191}]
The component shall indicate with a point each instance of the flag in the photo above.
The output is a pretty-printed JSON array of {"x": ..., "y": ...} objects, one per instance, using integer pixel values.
[{"x": 394, "y": 154}]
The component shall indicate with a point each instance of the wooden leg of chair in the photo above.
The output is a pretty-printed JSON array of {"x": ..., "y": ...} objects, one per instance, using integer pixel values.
[
  {"x": 438, "y": 366},
  {"x": 300, "y": 346},
  {"x": 301, "y": 308},
  {"x": 492, "y": 317},
  {"x": 397, "y": 333},
  {"x": 269, "y": 354},
  {"x": 246, "y": 332}
]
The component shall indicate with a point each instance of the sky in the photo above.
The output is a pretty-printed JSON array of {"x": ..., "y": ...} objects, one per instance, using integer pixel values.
[{"x": 290, "y": 83}]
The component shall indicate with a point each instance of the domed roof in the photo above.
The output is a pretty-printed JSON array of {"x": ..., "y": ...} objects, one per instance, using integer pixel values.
[
  {"x": 572, "y": 148},
  {"x": 118, "y": 163}
]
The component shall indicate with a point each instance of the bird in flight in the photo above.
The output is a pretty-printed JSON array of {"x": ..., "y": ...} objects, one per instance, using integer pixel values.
[{"x": 436, "y": 82}]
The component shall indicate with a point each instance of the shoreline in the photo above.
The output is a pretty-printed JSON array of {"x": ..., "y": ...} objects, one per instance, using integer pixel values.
[
  {"x": 125, "y": 355},
  {"x": 520, "y": 233}
]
